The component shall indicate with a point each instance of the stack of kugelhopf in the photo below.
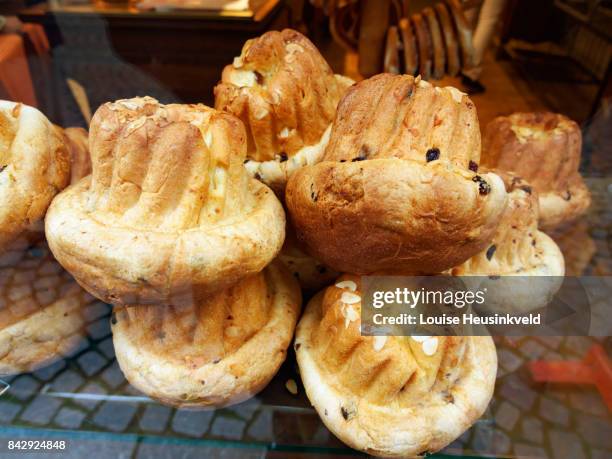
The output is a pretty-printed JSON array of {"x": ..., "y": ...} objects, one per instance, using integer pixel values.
[
  {"x": 177, "y": 228},
  {"x": 41, "y": 307},
  {"x": 171, "y": 230},
  {"x": 432, "y": 43},
  {"x": 397, "y": 191},
  {"x": 401, "y": 189}
]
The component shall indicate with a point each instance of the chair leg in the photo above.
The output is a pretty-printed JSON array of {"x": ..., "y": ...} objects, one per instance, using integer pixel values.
[{"x": 372, "y": 35}]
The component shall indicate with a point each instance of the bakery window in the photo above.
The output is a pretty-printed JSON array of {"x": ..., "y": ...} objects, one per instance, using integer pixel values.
[{"x": 218, "y": 217}]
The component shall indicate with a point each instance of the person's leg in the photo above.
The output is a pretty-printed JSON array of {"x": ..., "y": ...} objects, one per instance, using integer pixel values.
[
  {"x": 490, "y": 13},
  {"x": 471, "y": 13}
]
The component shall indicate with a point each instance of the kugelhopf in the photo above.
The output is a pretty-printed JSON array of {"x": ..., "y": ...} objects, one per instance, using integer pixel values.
[
  {"x": 389, "y": 396},
  {"x": 398, "y": 188},
  {"x": 219, "y": 352},
  {"x": 168, "y": 208},
  {"x": 544, "y": 149},
  {"x": 34, "y": 167},
  {"x": 41, "y": 309},
  {"x": 517, "y": 249},
  {"x": 286, "y": 94}
]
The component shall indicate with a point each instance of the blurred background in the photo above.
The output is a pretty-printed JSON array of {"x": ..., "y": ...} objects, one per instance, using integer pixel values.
[{"x": 69, "y": 56}]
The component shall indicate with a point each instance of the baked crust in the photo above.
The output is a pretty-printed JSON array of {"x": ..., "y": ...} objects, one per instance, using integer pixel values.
[
  {"x": 517, "y": 248},
  {"x": 286, "y": 95},
  {"x": 168, "y": 208},
  {"x": 544, "y": 149},
  {"x": 450, "y": 40},
  {"x": 77, "y": 141},
  {"x": 389, "y": 396},
  {"x": 520, "y": 250},
  {"x": 34, "y": 167},
  {"x": 437, "y": 43},
  {"x": 375, "y": 203},
  {"x": 41, "y": 318},
  {"x": 398, "y": 116},
  {"x": 220, "y": 352}
]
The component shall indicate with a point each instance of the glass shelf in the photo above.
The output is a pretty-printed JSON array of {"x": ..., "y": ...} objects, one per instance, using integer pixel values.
[{"x": 85, "y": 400}]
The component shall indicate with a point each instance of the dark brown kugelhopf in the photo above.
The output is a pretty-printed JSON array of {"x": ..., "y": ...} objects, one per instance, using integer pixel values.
[{"x": 544, "y": 149}]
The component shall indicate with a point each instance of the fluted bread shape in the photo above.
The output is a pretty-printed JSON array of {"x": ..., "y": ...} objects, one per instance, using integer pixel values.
[
  {"x": 283, "y": 90},
  {"x": 517, "y": 247},
  {"x": 286, "y": 95},
  {"x": 544, "y": 149},
  {"x": 388, "y": 395},
  {"x": 397, "y": 189},
  {"x": 166, "y": 167},
  {"x": 399, "y": 372},
  {"x": 403, "y": 117},
  {"x": 196, "y": 335},
  {"x": 34, "y": 167},
  {"x": 41, "y": 309},
  {"x": 222, "y": 350},
  {"x": 168, "y": 207}
]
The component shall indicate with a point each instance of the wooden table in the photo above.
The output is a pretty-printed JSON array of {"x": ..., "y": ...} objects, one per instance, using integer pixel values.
[{"x": 120, "y": 51}]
